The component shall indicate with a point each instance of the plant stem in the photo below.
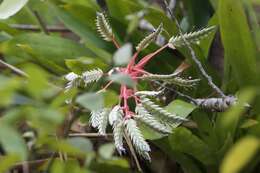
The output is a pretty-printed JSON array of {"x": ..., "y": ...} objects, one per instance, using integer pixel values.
[
  {"x": 41, "y": 22},
  {"x": 193, "y": 54},
  {"x": 132, "y": 150},
  {"x": 35, "y": 28},
  {"x": 90, "y": 135},
  {"x": 14, "y": 69}
]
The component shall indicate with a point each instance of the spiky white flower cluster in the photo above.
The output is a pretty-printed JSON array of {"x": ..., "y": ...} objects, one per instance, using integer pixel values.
[
  {"x": 75, "y": 80},
  {"x": 124, "y": 121},
  {"x": 192, "y": 37},
  {"x": 172, "y": 79},
  {"x": 103, "y": 27},
  {"x": 147, "y": 112},
  {"x": 149, "y": 39},
  {"x": 121, "y": 127}
]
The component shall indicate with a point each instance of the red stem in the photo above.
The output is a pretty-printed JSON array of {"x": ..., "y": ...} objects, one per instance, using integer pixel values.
[
  {"x": 132, "y": 61},
  {"x": 148, "y": 57}
]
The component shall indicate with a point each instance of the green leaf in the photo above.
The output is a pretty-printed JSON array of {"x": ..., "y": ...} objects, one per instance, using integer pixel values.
[
  {"x": 227, "y": 122},
  {"x": 123, "y": 55},
  {"x": 37, "y": 81},
  {"x": 240, "y": 50},
  {"x": 181, "y": 108},
  {"x": 240, "y": 155},
  {"x": 52, "y": 48},
  {"x": 122, "y": 79},
  {"x": 12, "y": 142},
  {"x": 11, "y": 7},
  {"x": 149, "y": 133},
  {"x": 254, "y": 21},
  {"x": 91, "y": 101},
  {"x": 183, "y": 140},
  {"x": 80, "y": 20},
  {"x": 106, "y": 151},
  {"x": 82, "y": 144},
  {"x": 83, "y": 64},
  {"x": 187, "y": 163},
  {"x": 110, "y": 98},
  {"x": 70, "y": 166},
  {"x": 7, "y": 162},
  {"x": 8, "y": 87}
]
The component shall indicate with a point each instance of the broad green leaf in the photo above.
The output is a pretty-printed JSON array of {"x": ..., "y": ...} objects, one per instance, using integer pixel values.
[
  {"x": 205, "y": 44},
  {"x": 106, "y": 151},
  {"x": 122, "y": 79},
  {"x": 149, "y": 133},
  {"x": 91, "y": 101},
  {"x": 123, "y": 55},
  {"x": 83, "y": 64},
  {"x": 181, "y": 108},
  {"x": 254, "y": 21},
  {"x": 183, "y": 140},
  {"x": 187, "y": 163},
  {"x": 7, "y": 162},
  {"x": 53, "y": 48},
  {"x": 70, "y": 166},
  {"x": 199, "y": 12},
  {"x": 8, "y": 87},
  {"x": 12, "y": 142},
  {"x": 82, "y": 144},
  {"x": 10, "y": 7},
  {"x": 240, "y": 155},
  {"x": 37, "y": 81},
  {"x": 110, "y": 98},
  {"x": 240, "y": 50},
  {"x": 81, "y": 20},
  {"x": 227, "y": 122},
  {"x": 44, "y": 119}
]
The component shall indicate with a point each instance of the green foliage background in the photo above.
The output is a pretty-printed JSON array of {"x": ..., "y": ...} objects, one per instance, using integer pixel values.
[{"x": 34, "y": 117}]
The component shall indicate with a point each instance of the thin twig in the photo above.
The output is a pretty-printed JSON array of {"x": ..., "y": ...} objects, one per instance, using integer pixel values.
[
  {"x": 90, "y": 135},
  {"x": 35, "y": 28},
  {"x": 189, "y": 98},
  {"x": 193, "y": 55},
  {"x": 14, "y": 69},
  {"x": 41, "y": 22},
  {"x": 132, "y": 150}
]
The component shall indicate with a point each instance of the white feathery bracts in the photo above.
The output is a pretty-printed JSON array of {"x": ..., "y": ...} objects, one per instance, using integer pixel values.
[
  {"x": 156, "y": 109},
  {"x": 149, "y": 39},
  {"x": 92, "y": 76},
  {"x": 172, "y": 79},
  {"x": 192, "y": 37},
  {"x": 145, "y": 117},
  {"x": 118, "y": 133},
  {"x": 99, "y": 119},
  {"x": 139, "y": 143},
  {"x": 148, "y": 93},
  {"x": 146, "y": 112},
  {"x": 75, "y": 80},
  {"x": 104, "y": 27},
  {"x": 115, "y": 114}
]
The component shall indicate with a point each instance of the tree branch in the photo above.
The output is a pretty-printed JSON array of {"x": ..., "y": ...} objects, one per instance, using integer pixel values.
[{"x": 35, "y": 28}]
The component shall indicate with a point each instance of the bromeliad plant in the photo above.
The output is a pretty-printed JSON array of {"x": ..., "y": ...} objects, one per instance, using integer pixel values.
[{"x": 123, "y": 120}]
